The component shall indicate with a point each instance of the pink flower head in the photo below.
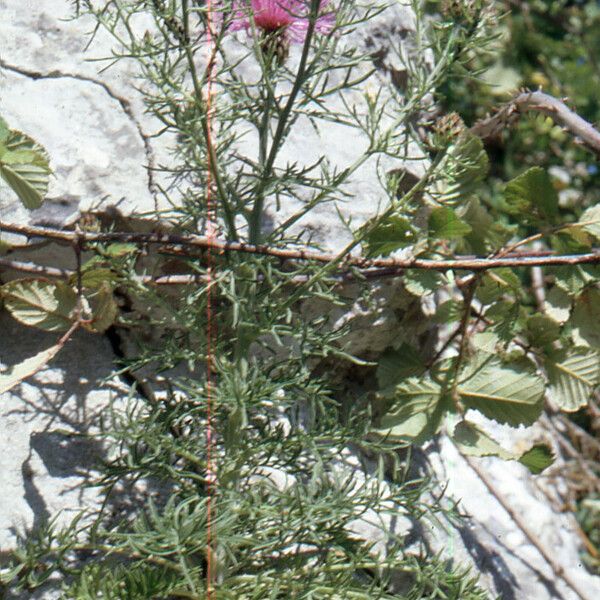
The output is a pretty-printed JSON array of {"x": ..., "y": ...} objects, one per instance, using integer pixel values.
[{"x": 291, "y": 17}]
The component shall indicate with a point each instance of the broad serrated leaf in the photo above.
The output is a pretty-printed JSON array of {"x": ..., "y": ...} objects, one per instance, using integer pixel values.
[
  {"x": 15, "y": 374},
  {"x": 486, "y": 233},
  {"x": 590, "y": 221},
  {"x": 506, "y": 319},
  {"x": 395, "y": 365},
  {"x": 416, "y": 412},
  {"x": 486, "y": 341},
  {"x": 531, "y": 197},
  {"x": 94, "y": 278},
  {"x": 537, "y": 458},
  {"x": 391, "y": 235},
  {"x": 448, "y": 312},
  {"x": 29, "y": 196},
  {"x": 495, "y": 284},
  {"x": 120, "y": 249},
  {"x": 574, "y": 240},
  {"x": 444, "y": 224},
  {"x": 422, "y": 283},
  {"x": 585, "y": 320},
  {"x": 473, "y": 441},
  {"x": 557, "y": 305},
  {"x": 104, "y": 309},
  {"x": 466, "y": 166},
  {"x": 25, "y": 167},
  {"x": 541, "y": 330},
  {"x": 573, "y": 374},
  {"x": 505, "y": 393},
  {"x": 573, "y": 278},
  {"x": 40, "y": 303},
  {"x": 502, "y": 80}
]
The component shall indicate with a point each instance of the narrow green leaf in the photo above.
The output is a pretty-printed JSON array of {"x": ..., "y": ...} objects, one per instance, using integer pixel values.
[
  {"x": 505, "y": 393},
  {"x": 573, "y": 374},
  {"x": 40, "y": 303}
]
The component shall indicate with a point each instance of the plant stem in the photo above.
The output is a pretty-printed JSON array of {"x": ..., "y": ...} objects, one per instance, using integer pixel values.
[{"x": 255, "y": 218}]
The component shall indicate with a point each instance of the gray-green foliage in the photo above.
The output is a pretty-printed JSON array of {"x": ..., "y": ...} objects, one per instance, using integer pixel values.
[
  {"x": 24, "y": 166},
  {"x": 283, "y": 507}
]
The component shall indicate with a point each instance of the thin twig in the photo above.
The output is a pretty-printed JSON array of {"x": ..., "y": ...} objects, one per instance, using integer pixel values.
[
  {"x": 168, "y": 239},
  {"x": 543, "y": 103},
  {"x": 468, "y": 295}
]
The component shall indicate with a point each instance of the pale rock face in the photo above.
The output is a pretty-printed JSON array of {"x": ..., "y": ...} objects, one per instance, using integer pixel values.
[
  {"x": 97, "y": 135},
  {"x": 44, "y": 459}
]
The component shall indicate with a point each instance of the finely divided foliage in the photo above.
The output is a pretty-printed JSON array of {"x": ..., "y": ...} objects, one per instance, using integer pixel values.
[{"x": 282, "y": 510}]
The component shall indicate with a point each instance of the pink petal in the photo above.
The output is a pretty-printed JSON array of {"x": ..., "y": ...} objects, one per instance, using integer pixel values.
[{"x": 270, "y": 15}]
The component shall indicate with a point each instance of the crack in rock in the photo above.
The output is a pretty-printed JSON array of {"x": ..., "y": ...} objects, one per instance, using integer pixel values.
[{"x": 124, "y": 103}]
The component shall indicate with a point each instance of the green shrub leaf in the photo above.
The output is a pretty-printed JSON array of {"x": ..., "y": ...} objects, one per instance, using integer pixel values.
[
  {"x": 104, "y": 309},
  {"x": 391, "y": 235},
  {"x": 422, "y": 283},
  {"x": 542, "y": 330},
  {"x": 30, "y": 366},
  {"x": 444, "y": 224},
  {"x": 396, "y": 365},
  {"x": 40, "y": 303},
  {"x": 585, "y": 319},
  {"x": 531, "y": 196},
  {"x": 473, "y": 441},
  {"x": 505, "y": 393},
  {"x": 466, "y": 166},
  {"x": 537, "y": 458},
  {"x": 24, "y": 166},
  {"x": 416, "y": 413},
  {"x": 590, "y": 221},
  {"x": 573, "y": 374}
]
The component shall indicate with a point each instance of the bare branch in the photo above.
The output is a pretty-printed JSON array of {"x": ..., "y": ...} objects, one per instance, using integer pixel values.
[
  {"x": 538, "y": 101},
  {"x": 388, "y": 266}
]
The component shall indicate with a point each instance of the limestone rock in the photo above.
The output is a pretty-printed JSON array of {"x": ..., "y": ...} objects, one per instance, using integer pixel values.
[
  {"x": 97, "y": 135},
  {"x": 45, "y": 457}
]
